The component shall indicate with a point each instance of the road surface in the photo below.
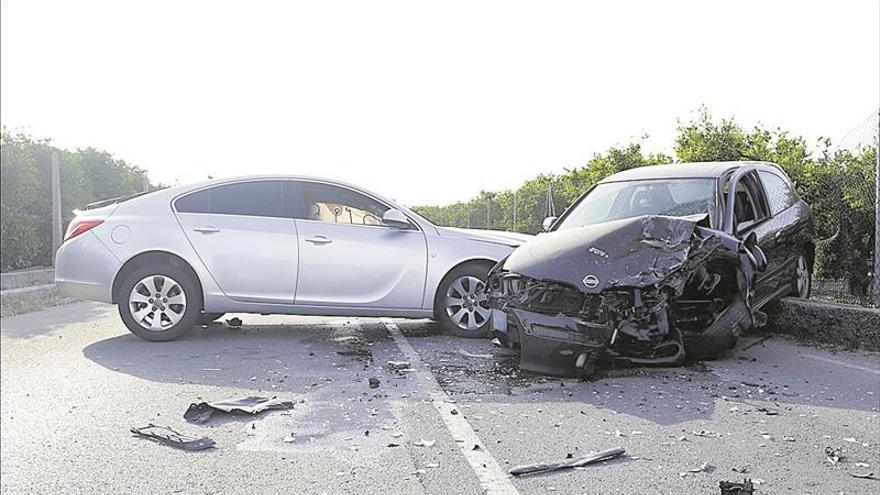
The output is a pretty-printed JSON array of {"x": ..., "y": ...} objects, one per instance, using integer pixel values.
[{"x": 74, "y": 381}]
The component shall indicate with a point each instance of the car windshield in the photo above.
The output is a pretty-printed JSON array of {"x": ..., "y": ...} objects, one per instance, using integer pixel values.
[{"x": 618, "y": 200}]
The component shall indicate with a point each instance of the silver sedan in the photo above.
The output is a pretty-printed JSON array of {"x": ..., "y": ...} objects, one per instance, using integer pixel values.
[{"x": 186, "y": 255}]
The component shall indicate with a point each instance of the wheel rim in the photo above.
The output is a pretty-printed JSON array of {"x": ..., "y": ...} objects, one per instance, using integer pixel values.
[
  {"x": 157, "y": 302},
  {"x": 467, "y": 304},
  {"x": 802, "y": 277}
]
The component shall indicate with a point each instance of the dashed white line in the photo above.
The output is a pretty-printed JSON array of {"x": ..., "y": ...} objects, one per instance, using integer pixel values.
[
  {"x": 493, "y": 479},
  {"x": 842, "y": 364}
]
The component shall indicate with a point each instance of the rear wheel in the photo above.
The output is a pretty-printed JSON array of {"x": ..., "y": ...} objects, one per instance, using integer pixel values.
[
  {"x": 159, "y": 302},
  {"x": 461, "y": 304}
]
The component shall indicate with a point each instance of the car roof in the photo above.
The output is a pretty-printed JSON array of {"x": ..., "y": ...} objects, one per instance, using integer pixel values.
[{"x": 691, "y": 170}]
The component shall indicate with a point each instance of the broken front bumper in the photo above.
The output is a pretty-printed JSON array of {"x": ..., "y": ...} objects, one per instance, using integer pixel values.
[{"x": 553, "y": 345}]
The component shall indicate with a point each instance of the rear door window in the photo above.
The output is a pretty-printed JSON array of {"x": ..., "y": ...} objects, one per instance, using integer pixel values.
[
  {"x": 256, "y": 198},
  {"x": 780, "y": 195}
]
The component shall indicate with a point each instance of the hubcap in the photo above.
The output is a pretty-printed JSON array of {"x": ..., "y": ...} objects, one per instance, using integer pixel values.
[
  {"x": 466, "y": 303},
  {"x": 803, "y": 277},
  {"x": 157, "y": 302}
]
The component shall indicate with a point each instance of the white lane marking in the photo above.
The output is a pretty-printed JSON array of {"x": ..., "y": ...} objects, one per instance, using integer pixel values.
[
  {"x": 492, "y": 478},
  {"x": 841, "y": 363}
]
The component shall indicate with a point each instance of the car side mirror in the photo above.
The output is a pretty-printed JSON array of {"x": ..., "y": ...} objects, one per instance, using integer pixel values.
[
  {"x": 757, "y": 255},
  {"x": 394, "y": 218},
  {"x": 548, "y": 223}
]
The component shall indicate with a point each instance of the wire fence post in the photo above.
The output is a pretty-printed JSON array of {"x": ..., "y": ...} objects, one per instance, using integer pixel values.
[
  {"x": 876, "y": 279},
  {"x": 488, "y": 213},
  {"x": 514, "y": 211},
  {"x": 56, "y": 206},
  {"x": 468, "y": 216}
]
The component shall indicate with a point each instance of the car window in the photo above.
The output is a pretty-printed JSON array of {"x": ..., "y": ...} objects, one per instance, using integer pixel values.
[
  {"x": 255, "y": 198},
  {"x": 779, "y": 193},
  {"x": 329, "y": 203},
  {"x": 618, "y": 200}
]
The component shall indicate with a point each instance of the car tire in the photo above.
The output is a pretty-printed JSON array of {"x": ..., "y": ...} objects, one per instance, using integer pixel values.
[
  {"x": 802, "y": 279},
  {"x": 460, "y": 305},
  {"x": 163, "y": 318},
  {"x": 720, "y": 336},
  {"x": 208, "y": 318}
]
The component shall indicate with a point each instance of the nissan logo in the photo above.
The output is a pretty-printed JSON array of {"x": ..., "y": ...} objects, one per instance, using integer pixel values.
[{"x": 591, "y": 281}]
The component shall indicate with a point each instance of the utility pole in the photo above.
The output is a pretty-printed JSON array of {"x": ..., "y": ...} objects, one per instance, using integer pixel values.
[
  {"x": 468, "y": 216},
  {"x": 146, "y": 183},
  {"x": 877, "y": 219},
  {"x": 56, "y": 206}
]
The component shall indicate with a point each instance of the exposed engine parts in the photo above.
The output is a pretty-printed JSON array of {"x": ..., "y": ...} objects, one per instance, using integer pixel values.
[{"x": 644, "y": 290}]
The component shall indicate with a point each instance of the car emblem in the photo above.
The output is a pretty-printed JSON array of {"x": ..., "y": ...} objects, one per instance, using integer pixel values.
[{"x": 591, "y": 281}]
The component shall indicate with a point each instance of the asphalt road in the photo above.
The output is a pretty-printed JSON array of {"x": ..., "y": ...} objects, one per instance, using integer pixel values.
[{"x": 74, "y": 381}]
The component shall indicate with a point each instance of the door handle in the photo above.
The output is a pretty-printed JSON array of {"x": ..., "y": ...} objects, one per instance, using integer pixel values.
[
  {"x": 206, "y": 230},
  {"x": 318, "y": 239}
]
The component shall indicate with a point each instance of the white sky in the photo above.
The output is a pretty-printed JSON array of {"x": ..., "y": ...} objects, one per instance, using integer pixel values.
[{"x": 424, "y": 102}]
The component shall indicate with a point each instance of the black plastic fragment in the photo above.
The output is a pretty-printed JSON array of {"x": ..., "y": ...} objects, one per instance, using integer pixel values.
[
  {"x": 735, "y": 488},
  {"x": 166, "y": 436}
]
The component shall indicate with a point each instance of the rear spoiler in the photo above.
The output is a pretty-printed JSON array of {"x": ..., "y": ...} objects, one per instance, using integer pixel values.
[{"x": 110, "y": 201}]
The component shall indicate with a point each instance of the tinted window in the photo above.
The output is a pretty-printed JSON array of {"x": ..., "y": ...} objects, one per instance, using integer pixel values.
[
  {"x": 258, "y": 199},
  {"x": 779, "y": 193},
  {"x": 328, "y": 203}
]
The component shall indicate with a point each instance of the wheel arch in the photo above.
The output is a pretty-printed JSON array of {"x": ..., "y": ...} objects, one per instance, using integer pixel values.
[
  {"x": 477, "y": 260},
  {"x": 149, "y": 258}
]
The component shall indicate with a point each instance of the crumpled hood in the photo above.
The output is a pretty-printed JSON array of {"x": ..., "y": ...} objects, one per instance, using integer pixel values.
[
  {"x": 633, "y": 252},
  {"x": 496, "y": 236}
]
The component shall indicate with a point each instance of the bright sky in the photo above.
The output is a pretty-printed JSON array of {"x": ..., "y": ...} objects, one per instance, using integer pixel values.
[{"x": 424, "y": 102}]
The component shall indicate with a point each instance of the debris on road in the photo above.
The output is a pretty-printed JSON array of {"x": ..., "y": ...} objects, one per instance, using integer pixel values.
[
  {"x": 289, "y": 439},
  {"x": 759, "y": 341},
  {"x": 833, "y": 455},
  {"x": 735, "y": 488},
  {"x": 474, "y": 356},
  {"x": 166, "y": 436},
  {"x": 704, "y": 468},
  {"x": 234, "y": 322},
  {"x": 425, "y": 443},
  {"x": 573, "y": 463},
  {"x": 373, "y": 382},
  {"x": 868, "y": 476},
  {"x": 203, "y": 411},
  {"x": 398, "y": 366}
]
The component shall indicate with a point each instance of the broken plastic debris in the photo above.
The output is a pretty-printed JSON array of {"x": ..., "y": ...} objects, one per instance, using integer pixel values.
[
  {"x": 734, "y": 488},
  {"x": 568, "y": 464},
  {"x": 374, "y": 382},
  {"x": 234, "y": 322},
  {"x": 166, "y": 436},
  {"x": 397, "y": 365},
  {"x": 203, "y": 411},
  {"x": 472, "y": 355},
  {"x": 704, "y": 468},
  {"x": 289, "y": 439},
  {"x": 833, "y": 455},
  {"x": 425, "y": 443}
]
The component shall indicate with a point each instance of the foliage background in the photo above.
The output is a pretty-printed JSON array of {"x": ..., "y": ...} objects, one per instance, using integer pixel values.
[
  {"x": 87, "y": 175},
  {"x": 838, "y": 183}
]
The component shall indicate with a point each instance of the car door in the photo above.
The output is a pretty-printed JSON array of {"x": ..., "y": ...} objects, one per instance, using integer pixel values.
[
  {"x": 349, "y": 258},
  {"x": 787, "y": 223},
  {"x": 245, "y": 234},
  {"x": 752, "y": 214}
]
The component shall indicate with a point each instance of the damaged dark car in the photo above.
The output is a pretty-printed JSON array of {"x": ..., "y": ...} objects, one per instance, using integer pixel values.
[{"x": 654, "y": 265}]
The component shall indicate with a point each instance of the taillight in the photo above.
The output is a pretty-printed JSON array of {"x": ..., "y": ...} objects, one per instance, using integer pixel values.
[{"x": 79, "y": 225}]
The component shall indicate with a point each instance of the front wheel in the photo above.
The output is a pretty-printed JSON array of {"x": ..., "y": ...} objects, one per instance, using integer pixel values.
[
  {"x": 461, "y": 304},
  {"x": 159, "y": 302},
  {"x": 803, "y": 277}
]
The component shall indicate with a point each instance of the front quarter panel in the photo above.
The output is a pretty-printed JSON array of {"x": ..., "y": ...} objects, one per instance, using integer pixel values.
[{"x": 446, "y": 252}]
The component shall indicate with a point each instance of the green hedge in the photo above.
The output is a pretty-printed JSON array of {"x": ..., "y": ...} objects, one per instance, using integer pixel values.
[{"x": 87, "y": 175}]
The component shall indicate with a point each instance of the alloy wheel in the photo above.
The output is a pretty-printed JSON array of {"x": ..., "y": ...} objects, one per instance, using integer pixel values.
[
  {"x": 467, "y": 304},
  {"x": 802, "y": 277},
  {"x": 157, "y": 302}
]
